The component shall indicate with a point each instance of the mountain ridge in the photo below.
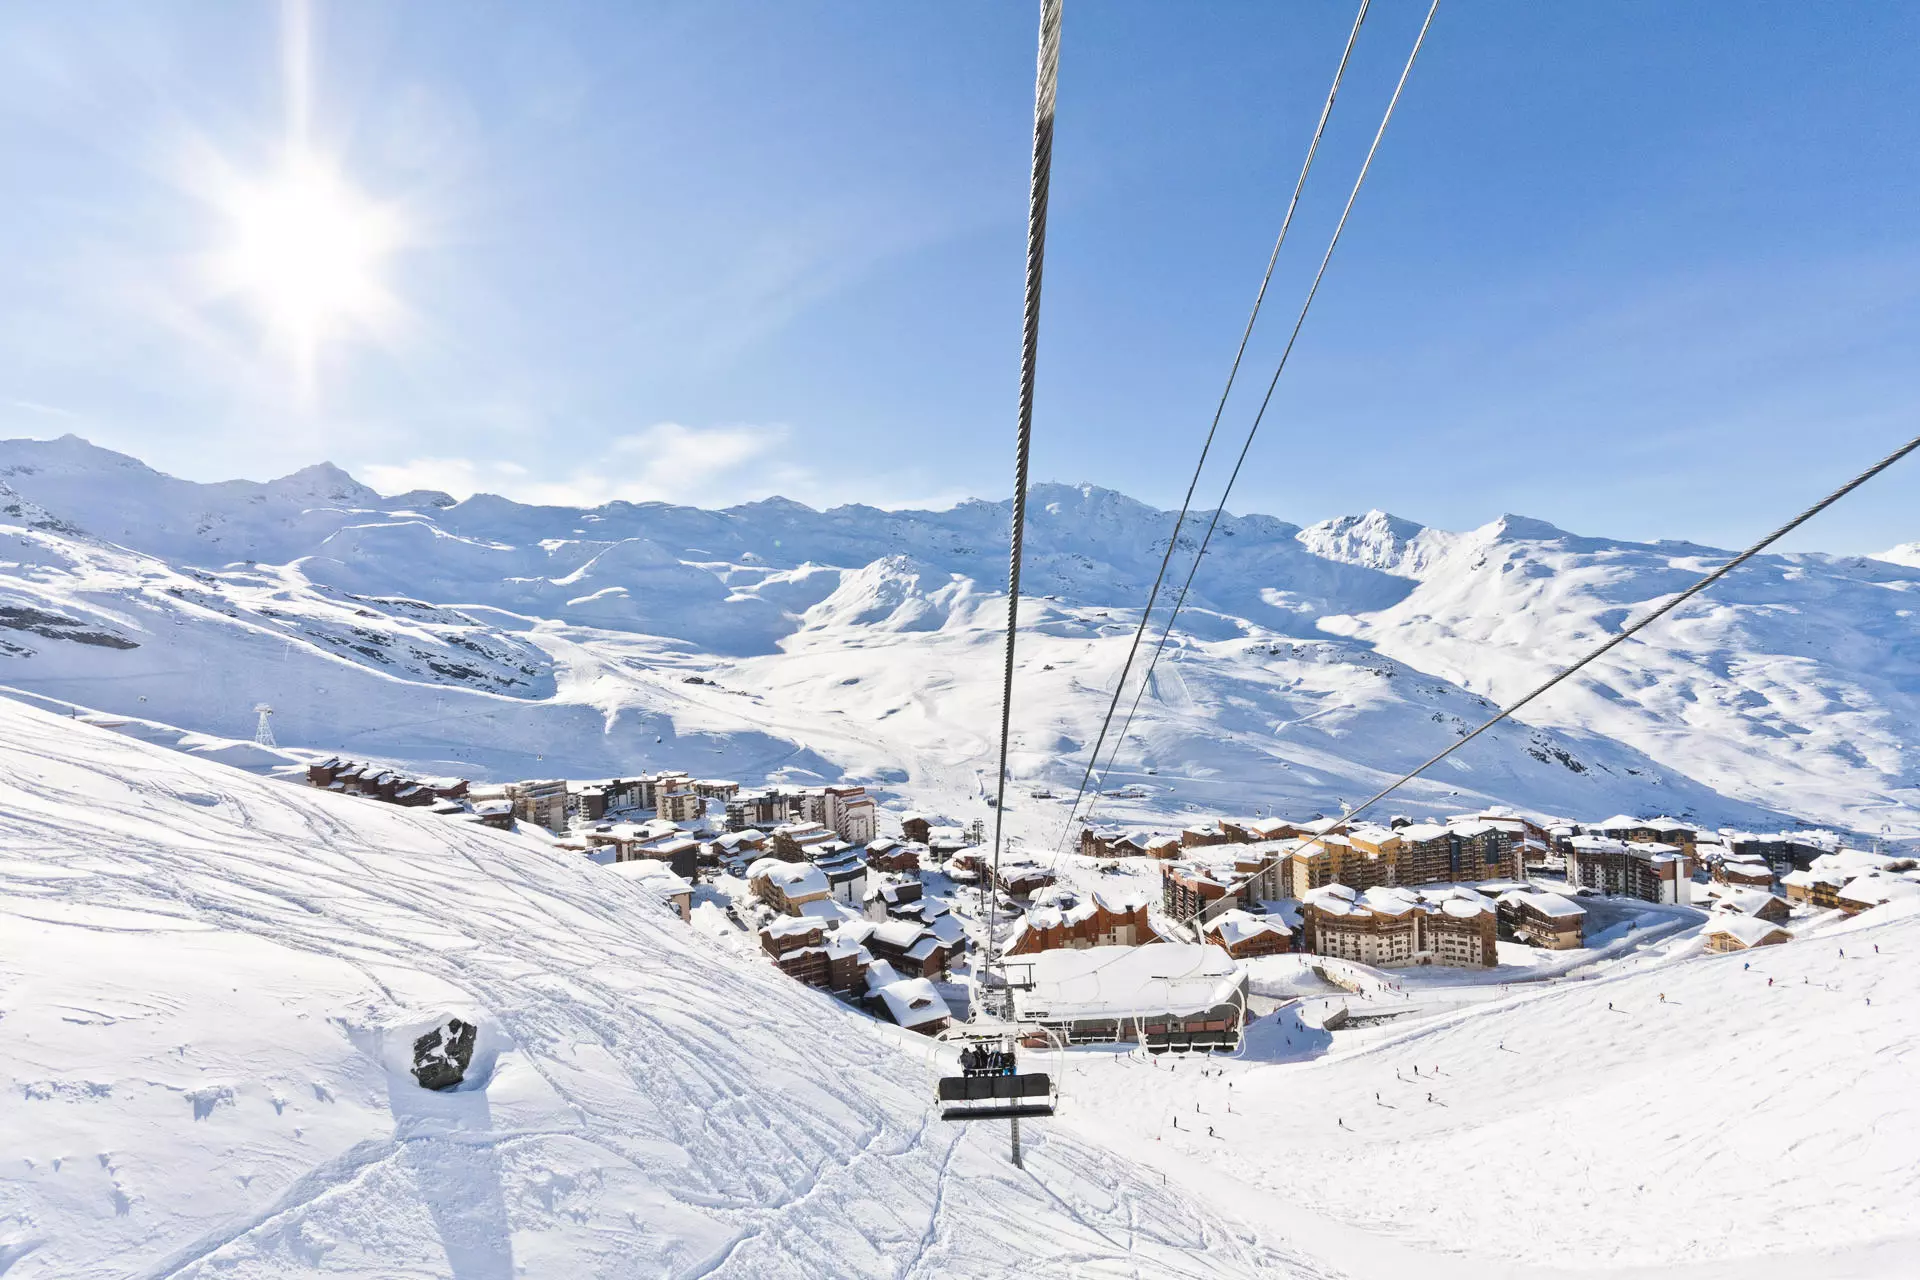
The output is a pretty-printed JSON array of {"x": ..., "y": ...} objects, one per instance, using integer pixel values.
[{"x": 1311, "y": 662}]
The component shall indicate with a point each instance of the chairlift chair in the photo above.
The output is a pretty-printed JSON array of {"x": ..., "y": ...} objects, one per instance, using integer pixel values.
[
  {"x": 1001, "y": 1093},
  {"x": 990, "y": 1084}
]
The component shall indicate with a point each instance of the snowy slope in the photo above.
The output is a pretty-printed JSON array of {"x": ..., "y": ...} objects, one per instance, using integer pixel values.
[
  {"x": 209, "y": 981},
  {"x": 1686, "y": 1121},
  {"x": 492, "y": 638}
]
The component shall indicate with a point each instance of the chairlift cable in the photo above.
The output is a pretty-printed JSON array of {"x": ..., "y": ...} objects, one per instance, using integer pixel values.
[
  {"x": 1045, "y": 88},
  {"x": 1280, "y": 367},
  {"x": 1259, "y": 298}
]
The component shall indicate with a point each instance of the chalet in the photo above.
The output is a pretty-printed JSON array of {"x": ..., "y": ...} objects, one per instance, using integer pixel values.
[
  {"x": 497, "y": 814},
  {"x": 914, "y": 949},
  {"x": 1542, "y": 919},
  {"x": 895, "y": 856},
  {"x": 944, "y": 842},
  {"x": 1754, "y": 873},
  {"x": 914, "y": 1004},
  {"x": 813, "y": 952},
  {"x": 1819, "y": 889},
  {"x": 1245, "y": 936},
  {"x": 891, "y": 899},
  {"x": 787, "y": 887},
  {"x": 966, "y": 866},
  {"x": 1018, "y": 879},
  {"x": 915, "y": 827},
  {"x": 793, "y": 840},
  {"x": 1737, "y": 933},
  {"x": 1202, "y": 834},
  {"x": 735, "y": 845},
  {"x": 1752, "y": 902},
  {"x": 1873, "y": 889},
  {"x": 1113, "y": 914},
  {"x": 1178, "y": 995},
  {"x": 1255, "y": 830}
]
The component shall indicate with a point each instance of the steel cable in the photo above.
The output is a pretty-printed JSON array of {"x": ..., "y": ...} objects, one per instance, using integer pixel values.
[
  {"x": 1173, "y": 539},
  {"x": 1279, "y": 368},
  {"x": 1045, "y": 88}
]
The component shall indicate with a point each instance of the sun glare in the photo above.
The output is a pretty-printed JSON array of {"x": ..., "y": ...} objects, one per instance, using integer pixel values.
[{"x": 308, "y": 252}]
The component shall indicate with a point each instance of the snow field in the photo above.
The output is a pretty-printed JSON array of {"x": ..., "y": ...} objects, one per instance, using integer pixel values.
[
  {"x": 1731, "y": 1128},
  {"x": 206, "y": 979}
]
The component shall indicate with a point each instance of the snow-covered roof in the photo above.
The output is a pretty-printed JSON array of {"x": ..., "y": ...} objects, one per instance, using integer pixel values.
[
  {"x": 913, "y": 1002},
  {"x": 656, "y": 875},
  {"x": 1123, "y": 982},
  {"x": 1235, "y": 927},
  {"x": 795, "y": 879},
  {"x": 900, "y": 934},
  {"x": 1420, "y": 832},
  {"x": 1744, "y": 901},
  {"x": 1748, "y": 930},
  {"x": 1877, "y": 887},
  {"x": 1547, "y": 904},
  {"x": 791, "y": 926},
  {"x": 1120, "y": 896}
]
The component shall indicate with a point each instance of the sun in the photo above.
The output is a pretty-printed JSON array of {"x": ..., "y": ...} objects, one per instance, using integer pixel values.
[{"x": 308, "y": 253}]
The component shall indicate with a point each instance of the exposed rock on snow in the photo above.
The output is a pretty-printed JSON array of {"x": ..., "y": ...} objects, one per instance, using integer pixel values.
[{"x": 441, "y": 1056}]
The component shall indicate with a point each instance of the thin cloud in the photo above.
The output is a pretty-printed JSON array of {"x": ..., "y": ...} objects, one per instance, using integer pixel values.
[{"x": 666, "y": 462}]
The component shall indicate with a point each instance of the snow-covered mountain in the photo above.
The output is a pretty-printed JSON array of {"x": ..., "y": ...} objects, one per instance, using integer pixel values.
[{"x": 498, "y": 639}]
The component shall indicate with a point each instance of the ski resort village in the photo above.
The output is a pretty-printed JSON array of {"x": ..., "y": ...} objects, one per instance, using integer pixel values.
[
  {"x": 890, "y": 923},
  {"x": 739, "y": 745}
]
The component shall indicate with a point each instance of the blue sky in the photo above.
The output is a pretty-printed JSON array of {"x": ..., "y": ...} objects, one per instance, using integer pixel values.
[{"x": 1642, "y": 269}]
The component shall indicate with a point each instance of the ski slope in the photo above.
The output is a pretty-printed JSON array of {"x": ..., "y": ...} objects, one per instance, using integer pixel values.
[
  {"x": 209, "y": 983},
  {"x": 1684, "y": 1120}
]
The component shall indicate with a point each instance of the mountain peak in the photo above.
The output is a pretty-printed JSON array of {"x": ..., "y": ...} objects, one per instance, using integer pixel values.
[
  {"x": 1526, "y": 529},
  {"x": 1376, "y": 540}
]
